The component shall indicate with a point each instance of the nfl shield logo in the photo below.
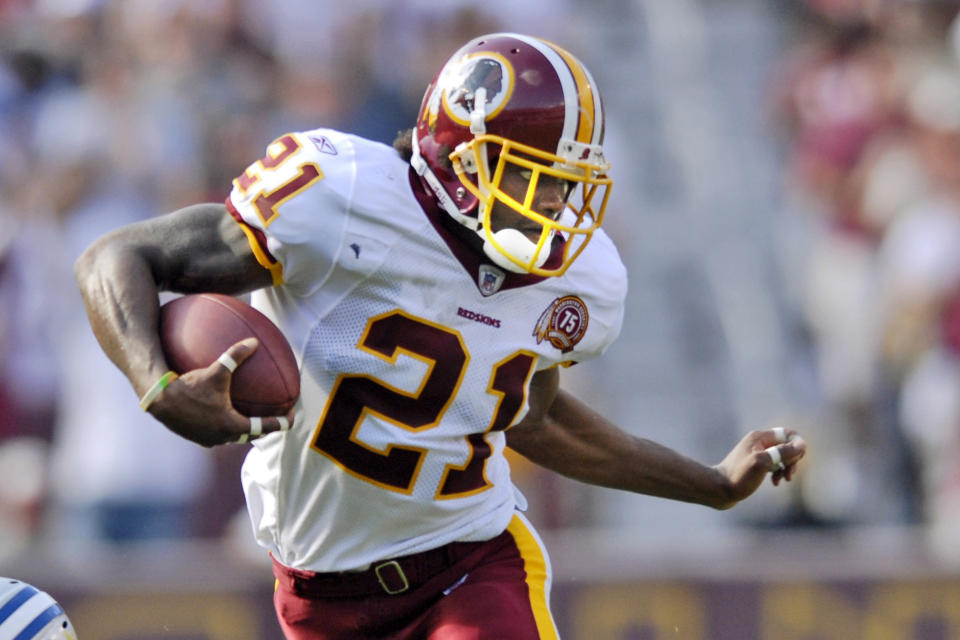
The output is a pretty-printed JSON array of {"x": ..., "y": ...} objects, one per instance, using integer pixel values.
[{"x": 489, "y": 279}]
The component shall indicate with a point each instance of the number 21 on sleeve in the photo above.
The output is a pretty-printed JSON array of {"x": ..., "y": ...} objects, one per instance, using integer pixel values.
[{"x": 278, "y": 152}]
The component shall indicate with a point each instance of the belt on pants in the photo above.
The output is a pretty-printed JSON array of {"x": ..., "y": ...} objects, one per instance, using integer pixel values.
[{"x": 392, "y": 576}]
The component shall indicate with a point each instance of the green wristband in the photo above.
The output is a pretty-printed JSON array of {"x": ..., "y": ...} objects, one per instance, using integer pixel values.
[{"x": 154, "y": 392}]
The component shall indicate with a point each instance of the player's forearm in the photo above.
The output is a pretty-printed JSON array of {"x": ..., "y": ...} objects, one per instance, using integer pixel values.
[
  {"x": 120, "y": 295},
  {"x": 579, "y": 443},
  {"x": 653, "y": 469}
]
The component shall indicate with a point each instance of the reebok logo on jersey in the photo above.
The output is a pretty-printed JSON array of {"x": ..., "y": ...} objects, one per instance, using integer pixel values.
[
  {"x": 324, "y": 145},
  {"x": 478, "y": 317},
  {"x": 563, "y": 323}
]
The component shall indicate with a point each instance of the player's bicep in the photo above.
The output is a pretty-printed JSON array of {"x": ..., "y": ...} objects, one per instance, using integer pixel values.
[{"x": 199, "y": 248}]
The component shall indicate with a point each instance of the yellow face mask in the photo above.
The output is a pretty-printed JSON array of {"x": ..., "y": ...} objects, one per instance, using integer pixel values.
[{"x": 560, "y": 198}]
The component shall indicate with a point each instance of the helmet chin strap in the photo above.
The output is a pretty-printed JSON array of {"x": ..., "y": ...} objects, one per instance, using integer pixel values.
[
  {"x": 477, "y": 127},
  {"x": 420, "y": 166}
]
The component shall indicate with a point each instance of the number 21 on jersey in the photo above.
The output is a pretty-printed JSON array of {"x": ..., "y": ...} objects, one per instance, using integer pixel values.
[{"x": 354, "y": 397}]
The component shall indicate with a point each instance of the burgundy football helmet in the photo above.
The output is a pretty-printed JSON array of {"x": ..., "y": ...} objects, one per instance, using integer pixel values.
[{"x": 503, "y": 101}]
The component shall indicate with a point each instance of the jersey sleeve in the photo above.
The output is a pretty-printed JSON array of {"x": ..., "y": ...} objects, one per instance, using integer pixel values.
[
  {"x": 602, "y": 279},
  {"x": 612, "y": 308},
  {"x": 292, "y": 204}
]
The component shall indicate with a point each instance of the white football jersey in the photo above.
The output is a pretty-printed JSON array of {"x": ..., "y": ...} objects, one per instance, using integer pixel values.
[{"x": 415, "y": 355}]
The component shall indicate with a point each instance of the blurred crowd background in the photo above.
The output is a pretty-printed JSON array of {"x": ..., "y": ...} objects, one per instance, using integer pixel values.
[{"x": 786, "y": 199}]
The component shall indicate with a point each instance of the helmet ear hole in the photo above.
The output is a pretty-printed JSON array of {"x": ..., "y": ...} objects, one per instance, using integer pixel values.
[{"x": 467, "y": 158}]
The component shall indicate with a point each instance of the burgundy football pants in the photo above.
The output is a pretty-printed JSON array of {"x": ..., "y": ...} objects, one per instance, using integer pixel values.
[{"x": 497, "y": 590}]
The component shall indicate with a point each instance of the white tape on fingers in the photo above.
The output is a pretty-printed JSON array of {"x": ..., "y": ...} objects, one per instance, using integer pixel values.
[
  {"x": 780, "y": 434},
  {"x": 256, "y": 427},
  {"x": 284, "y": 423},
  {"x": 226, "y": 360},
  {"x": 776, "y": 460},
  {"x": 243, "y": 439}
]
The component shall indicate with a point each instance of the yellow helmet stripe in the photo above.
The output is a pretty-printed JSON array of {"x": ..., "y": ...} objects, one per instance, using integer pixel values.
[{"x": 588, "y": 124}]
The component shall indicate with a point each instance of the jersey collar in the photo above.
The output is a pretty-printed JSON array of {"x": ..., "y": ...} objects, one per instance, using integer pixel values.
[{"x": 471, "y": 259}]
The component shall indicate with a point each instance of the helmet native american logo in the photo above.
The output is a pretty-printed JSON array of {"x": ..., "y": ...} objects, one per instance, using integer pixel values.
[
  {"x": 485, "y": 73},
  {"x": 460, "y": 88}
]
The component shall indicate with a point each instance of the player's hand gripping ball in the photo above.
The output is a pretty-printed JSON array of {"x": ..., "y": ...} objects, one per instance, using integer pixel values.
[{"x": 195, "y": 329}]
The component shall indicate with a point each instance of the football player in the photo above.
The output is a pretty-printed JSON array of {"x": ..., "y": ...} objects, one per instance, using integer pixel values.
[{"x": 433, "y": 293}]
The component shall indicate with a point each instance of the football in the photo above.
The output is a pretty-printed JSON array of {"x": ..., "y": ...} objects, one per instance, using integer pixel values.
[{"x": 195, "y": 329}]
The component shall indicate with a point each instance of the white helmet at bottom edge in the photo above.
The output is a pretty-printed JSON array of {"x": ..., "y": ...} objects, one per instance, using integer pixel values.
[{"x": 26, "y": 613}]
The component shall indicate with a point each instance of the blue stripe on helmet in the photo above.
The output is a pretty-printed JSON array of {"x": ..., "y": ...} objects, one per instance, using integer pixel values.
[
  {"x": 14, "y": 603},
  {"x": 40, "y": 622}
]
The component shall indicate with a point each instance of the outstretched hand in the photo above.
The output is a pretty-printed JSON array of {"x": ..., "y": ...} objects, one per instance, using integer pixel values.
[
  {"x": 197, "y": 405},
  {"x": 771, "y": 451}
]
